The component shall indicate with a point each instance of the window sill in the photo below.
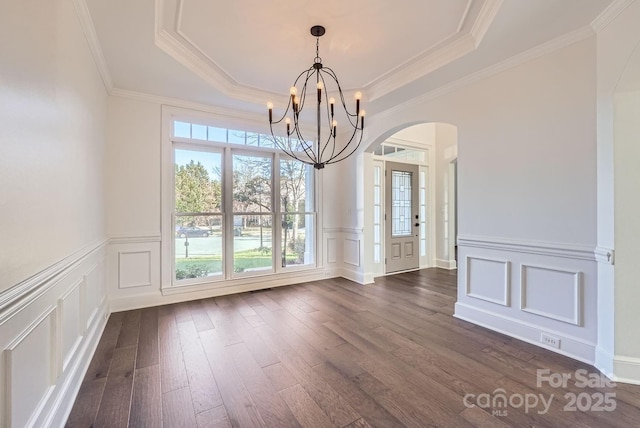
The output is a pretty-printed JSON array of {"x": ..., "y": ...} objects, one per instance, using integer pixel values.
[{"x": 250, "y": 283}]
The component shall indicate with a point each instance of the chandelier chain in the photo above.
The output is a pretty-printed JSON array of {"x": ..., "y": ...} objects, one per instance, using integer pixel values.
[{"x": 318, "y": 60}]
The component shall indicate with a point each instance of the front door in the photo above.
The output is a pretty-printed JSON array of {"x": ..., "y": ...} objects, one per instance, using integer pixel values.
[{"x": 402, "y": 220}]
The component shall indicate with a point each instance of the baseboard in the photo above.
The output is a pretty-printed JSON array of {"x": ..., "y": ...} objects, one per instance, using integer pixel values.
[
  {"x": 604, "y": 362},
  {"x": 572, "y": 347},
  {"x": 626, "y": 369},
  {"x": 172, "y": 295},
  {"x": 446, "y": 264},
  {"x": 357, "y": 276}
]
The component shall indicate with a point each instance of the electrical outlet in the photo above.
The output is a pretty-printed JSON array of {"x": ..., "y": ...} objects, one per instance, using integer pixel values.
[{"x": 552, "y": 341}]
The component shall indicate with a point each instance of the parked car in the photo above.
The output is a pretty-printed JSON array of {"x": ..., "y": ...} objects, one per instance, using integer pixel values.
[{"x": 191, "y": 231}]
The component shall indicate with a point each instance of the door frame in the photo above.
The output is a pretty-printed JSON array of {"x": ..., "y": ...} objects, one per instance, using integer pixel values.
[
  {"x": 452, "y": 220},
  {"x": 414, "y": 220}
]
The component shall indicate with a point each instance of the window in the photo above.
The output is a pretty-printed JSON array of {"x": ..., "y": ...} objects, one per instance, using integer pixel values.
[
  {"x": 423, "y": 212},
  {"x": 401, "y": 210},
  {"x": 377, "y": 213},
  {"x": 297, "y": 213},
  {"x": 401, "y": 153},
  {"x": 252, "y": 213},
  {"x": 240, "y": 207},
  {"x": 198, "y": 214}
]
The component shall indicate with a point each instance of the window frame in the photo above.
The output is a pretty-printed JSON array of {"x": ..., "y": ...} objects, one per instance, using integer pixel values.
[{"x": 227, "y": 278}]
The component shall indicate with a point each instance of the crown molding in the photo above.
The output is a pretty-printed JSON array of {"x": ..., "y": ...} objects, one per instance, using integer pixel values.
[
  {"x": 190, "y": 56},
  {"x": 89, "y": 30},
  {"x": 531, "y": 54},
  {"x": 176, "y": 102},
  {"x": 432, "y": 60},
  {"x": 174, "y": 42},
  {"x": 465, "y": 14},
  {"x": 514, "y": 61},
  {"x": 610, "y": 13},
  {"x": 418, "y": 67},
  {"x": 486, "y": 16}
]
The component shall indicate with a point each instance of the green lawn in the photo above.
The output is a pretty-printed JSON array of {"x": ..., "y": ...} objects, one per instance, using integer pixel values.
[{"x": 197, "y": 267}]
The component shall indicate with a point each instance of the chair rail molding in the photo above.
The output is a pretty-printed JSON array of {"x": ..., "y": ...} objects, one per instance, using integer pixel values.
[
  {"x": 553, "y": 249},
  {"x": 50, "y": 326}
]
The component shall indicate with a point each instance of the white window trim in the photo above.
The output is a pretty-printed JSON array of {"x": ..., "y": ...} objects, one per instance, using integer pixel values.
[
  {"x": 279, "y": 275},
  {"x": 428, "y": 166}
]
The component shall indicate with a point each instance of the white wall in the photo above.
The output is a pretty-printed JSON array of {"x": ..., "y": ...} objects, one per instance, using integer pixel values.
[
  {"x": 52, "y": 261},
  {"x": 52, "y": 127},
  {"x": 135, "y": 221},
  {"x": 618, "y": 66},
  {"x": 527, "y": 200},
  {"x": 627, "y": 223},
  {"x": 446, "y": 146},
  {"x": 133, "y": 175}
]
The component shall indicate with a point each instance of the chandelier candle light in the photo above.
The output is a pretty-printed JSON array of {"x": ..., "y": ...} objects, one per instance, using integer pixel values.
[{"x": 324, "y": 150}]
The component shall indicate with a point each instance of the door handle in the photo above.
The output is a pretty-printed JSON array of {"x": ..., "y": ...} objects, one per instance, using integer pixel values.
[{"x": 417, "y": 224}]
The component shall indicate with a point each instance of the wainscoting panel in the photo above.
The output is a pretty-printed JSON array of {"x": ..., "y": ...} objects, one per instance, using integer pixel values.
[
  {"x": 332, "y": 250},
  {"x": 543, "y": 293},
  {"x": 134, "y": 269},
  {"x": 352, "y": 251},
  {"x": 133, "y": 266},
  {"x": 95, "y": 291},
  {"x": 538, "y": 283},
  {"x": 70, "y": 323},
  {"x": 50, "y": 325},
  {"x": 488, "y": 280},
  {"x": 30, "y": 368},
  {"x": 344, "y": 253}
]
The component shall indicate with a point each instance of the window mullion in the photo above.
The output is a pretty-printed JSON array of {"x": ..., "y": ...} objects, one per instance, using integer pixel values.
[
  {"x": 277, "y": 220},
  {"x": 227, "y": 209}
]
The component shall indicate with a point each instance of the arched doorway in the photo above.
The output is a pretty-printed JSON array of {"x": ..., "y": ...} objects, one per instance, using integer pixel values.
[{"x": 430, "y": 150}]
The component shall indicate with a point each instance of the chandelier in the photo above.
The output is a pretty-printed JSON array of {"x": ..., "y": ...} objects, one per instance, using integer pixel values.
[{"x": 324, "y": 149}]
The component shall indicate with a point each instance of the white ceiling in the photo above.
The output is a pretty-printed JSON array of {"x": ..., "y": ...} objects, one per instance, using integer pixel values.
[{"x": 238, "y": 54}]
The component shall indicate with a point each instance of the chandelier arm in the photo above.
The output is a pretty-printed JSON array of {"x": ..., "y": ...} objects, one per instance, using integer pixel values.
[
  {"x": 282, "y": 147},
  {"x": 346, "y": 156},
  {"x": 330, "y": 141},
  {"x": 330, "y": 119},
  {"x": 291, "y": 153},
  {"x": 348, "y": 143},
  {"x": 350, "y": 115},
  {"x": 318, "y": 112},
  {"x": 284, "y": 115},
  {"x": 303, "y": 94},
  {"x": 308, "y": 149},
  {"x": 326, "y": 144},
  {"x": 354, "y": 126},
  {"x": 326, "y": 101},
  {"x": 287, "y": 149}
]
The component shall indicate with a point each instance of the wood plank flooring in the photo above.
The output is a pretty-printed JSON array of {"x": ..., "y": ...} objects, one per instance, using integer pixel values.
[{"x": 333, "y": 353}]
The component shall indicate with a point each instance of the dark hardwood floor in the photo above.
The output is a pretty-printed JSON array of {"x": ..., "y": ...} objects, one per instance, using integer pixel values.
[{"x": 334, "y": 353}]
